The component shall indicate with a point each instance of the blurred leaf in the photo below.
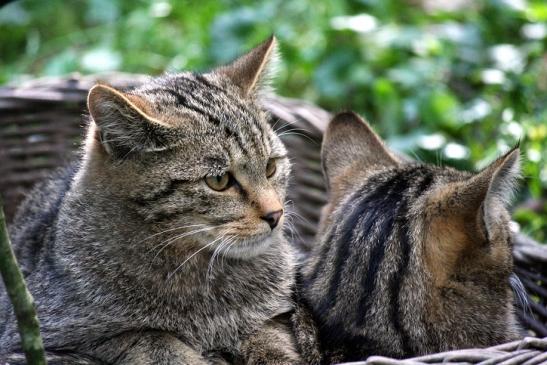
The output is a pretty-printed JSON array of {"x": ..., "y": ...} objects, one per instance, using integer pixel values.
[
  {"x": 14, "y": 14},
  {"x": 439, "y": 109},
  {"x": 537, "y": 12},
  {"x": 386, "y": 95},
  {"x": 62, "y": 63},
  {"x": 100, "y": 60}
]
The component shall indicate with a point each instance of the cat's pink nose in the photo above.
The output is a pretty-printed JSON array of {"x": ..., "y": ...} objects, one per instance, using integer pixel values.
[{"x": 273, "y": 218}]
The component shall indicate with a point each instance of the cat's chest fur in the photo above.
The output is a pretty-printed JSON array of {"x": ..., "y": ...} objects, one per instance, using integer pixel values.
[
  {"x": 209, "y": 313},
  {"x": 214, "y": 312}
]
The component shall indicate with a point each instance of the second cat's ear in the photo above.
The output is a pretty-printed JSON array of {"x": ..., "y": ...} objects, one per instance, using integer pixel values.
[
  {"x": 253, "y": 70},
  {"x": 350, "y": 142},
  {"x": 469, "y": 215},
  {"x": 483, "y": 197},
  {"x": 123, "y": 124},
  {"x": 493, "y": 187}
]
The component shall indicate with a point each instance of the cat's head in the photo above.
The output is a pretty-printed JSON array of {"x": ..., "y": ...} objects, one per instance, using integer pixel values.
[
  {"x": 428, "y": 244},
  {"x": 193, "y": 154}
]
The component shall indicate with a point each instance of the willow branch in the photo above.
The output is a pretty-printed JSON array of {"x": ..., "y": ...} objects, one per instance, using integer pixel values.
[{"x": 21, "y": 299}]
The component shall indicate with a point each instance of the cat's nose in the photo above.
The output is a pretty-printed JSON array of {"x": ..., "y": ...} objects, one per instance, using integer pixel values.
[{"x": 273, "y": 218}]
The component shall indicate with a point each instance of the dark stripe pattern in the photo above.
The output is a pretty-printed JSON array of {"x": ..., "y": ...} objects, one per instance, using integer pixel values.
[
  {"x": 220, "y": 107},
  {"x": 160, "y": 194},
  {"x": 372, "y": 226}
]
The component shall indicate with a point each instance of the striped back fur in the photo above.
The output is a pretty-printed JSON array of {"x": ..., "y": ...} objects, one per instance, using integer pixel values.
[{"x": 410, "y": 258}]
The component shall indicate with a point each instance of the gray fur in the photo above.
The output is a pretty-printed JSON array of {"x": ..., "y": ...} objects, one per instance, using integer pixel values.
[{"x": 115, "y": 249}]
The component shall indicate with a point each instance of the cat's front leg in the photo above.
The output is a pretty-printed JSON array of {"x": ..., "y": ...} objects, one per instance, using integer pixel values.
[
  {"x": 306, "y": 334},
  {"x": 147, "y": 348},
  {"x": 273, "y": 344}
]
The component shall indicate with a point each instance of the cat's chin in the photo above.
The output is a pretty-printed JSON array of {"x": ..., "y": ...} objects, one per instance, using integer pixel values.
[{"x": 251, "y": 247}]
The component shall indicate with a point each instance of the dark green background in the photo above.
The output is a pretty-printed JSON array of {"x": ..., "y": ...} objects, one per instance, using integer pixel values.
[{"x": 453, "y": 82}]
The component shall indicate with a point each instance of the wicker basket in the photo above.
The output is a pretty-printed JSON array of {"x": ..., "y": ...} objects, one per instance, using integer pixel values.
[{"x": 41, "y": 126}]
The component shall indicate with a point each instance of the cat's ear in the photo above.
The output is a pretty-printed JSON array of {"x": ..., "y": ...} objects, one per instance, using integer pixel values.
[
  {"x": 253, "y": 71},
  {"x": 468, "y": 214},
  {"x": 496, "y": 185},
  {"x": 350, "y": 142},
  {"x": 486, "y": 194},
  {"x": 123, "y": 124}
]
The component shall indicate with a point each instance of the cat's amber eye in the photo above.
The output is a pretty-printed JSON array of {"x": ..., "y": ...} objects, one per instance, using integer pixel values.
[
  {"x": 219, "y": 182},
  {"x": 271, "y": 167}
]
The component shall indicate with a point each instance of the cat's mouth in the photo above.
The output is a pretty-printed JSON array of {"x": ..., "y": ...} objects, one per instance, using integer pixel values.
[
  {"x": 250, "y": 246},
  {"x": 238, "y": 241}
]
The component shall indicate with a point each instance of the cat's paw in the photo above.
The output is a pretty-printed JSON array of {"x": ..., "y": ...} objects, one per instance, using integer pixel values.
[{"x": 275, "y": 357}]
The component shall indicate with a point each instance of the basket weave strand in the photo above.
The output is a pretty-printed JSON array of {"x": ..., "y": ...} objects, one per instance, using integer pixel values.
[{"x": 529, "y": 351}]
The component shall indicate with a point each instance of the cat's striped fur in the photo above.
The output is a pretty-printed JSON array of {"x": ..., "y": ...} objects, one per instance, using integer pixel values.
[
  {"x": 134, "y": 258},
  {"x": 410, "y": 258}
]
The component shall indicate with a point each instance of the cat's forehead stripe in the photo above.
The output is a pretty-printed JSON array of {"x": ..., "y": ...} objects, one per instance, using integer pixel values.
[
  {"x": 186, "y": 102},
  {"x": 238, "y": 125},
  {"x": 203, "y": 80},
  {"x": 200, "y": 95}
]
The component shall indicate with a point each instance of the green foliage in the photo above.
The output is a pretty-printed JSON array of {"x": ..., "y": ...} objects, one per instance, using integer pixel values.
[{"x": 452, "y": 82}]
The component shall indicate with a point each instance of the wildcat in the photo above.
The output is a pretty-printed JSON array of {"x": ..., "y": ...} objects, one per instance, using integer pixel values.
[
  {"x": 164, "y": 244},
  {"x": 410, "y": 258}
]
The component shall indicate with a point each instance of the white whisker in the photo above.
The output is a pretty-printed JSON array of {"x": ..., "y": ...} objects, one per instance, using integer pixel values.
[
  {"x": 297, "y": 215},
  {"x": 282, "y": 126},
  {"x": 169, "y": 241},
  {"x": 188, "y": 259},
  {"x": 228, "y": 247},
  {"x": 218, "y": 252},
  {"x": 170, "y": 230},
  {"x": 213, "y": 257},
  {"x": 290, "y": 133}
]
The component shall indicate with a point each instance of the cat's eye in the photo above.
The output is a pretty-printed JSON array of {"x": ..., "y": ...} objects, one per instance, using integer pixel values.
[
  {"x": 271, "y": 167},
  {"x": 219, "y": 182}
]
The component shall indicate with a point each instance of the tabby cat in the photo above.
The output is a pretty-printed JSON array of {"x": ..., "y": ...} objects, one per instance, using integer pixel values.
[
  {"x": 410, "y": 258},
  {"x": 164, "y": 245}
]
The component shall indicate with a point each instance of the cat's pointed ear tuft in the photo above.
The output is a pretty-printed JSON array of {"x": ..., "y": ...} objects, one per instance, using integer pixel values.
[
  {"x": 486, "y": 194},
  {"x": 350, "y": 142},
  {"x": 495, "y": 183},
  {"x": 253, "y": 71},
  {"x": 122, "y": 122},
  {"x": 501, "y": 178},
  {"x": 506, "y": 172}
]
